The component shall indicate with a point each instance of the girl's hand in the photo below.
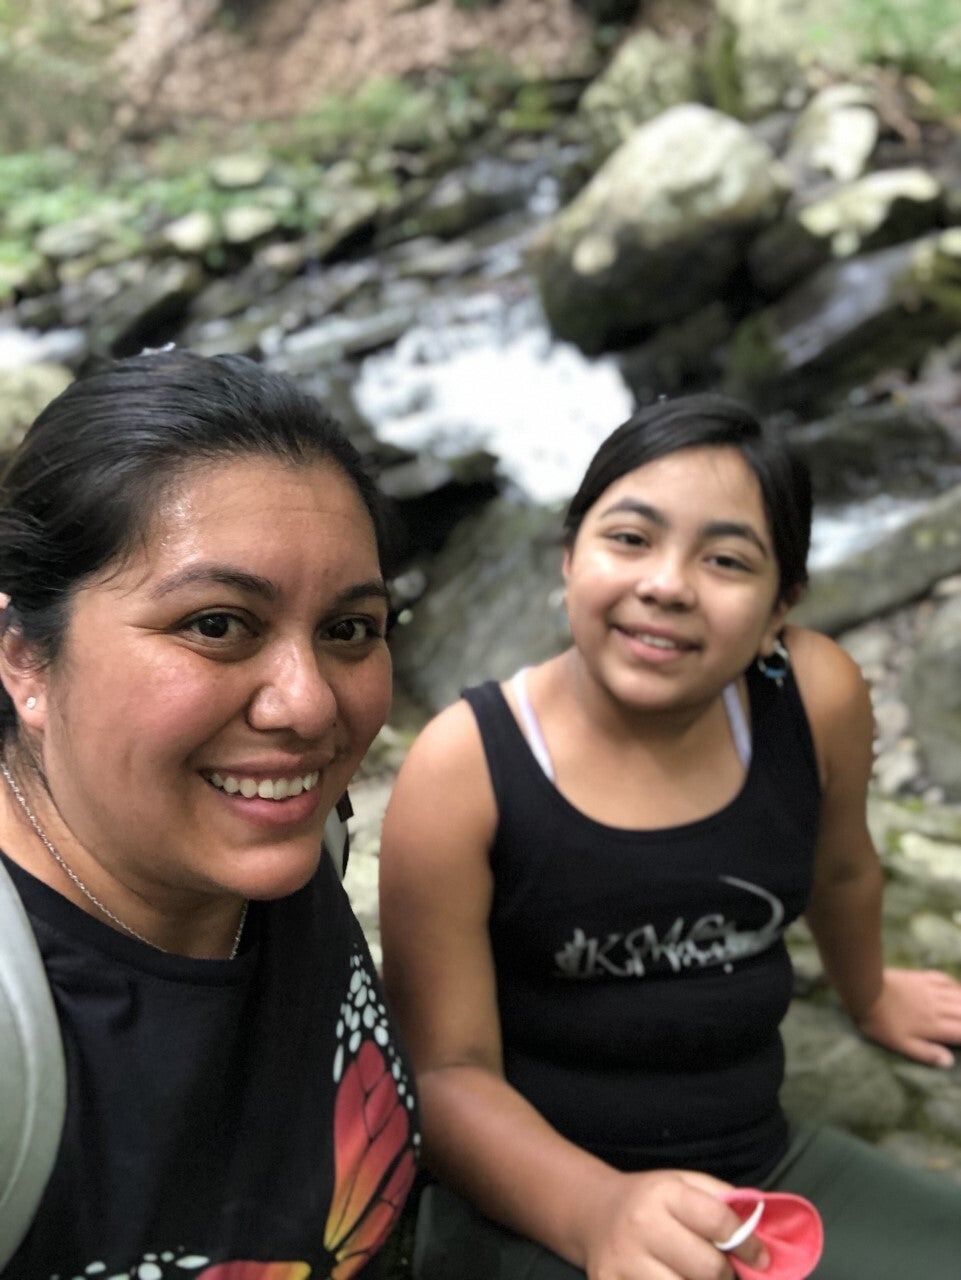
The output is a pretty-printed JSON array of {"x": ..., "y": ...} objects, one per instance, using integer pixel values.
[
  {"x": 664, "y": 1226},
  {"x": 917, "y": 1014}
]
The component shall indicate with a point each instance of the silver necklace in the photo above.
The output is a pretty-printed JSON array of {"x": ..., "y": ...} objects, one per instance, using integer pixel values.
[{"x": 45, "y": 840}]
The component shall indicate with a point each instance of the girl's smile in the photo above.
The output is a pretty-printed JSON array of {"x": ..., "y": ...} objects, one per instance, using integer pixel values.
[{"x": 672, "y": 580}]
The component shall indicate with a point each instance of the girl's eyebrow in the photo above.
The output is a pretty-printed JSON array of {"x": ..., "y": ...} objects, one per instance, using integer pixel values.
[
  {"x": 225, "y": 575},
  {"x": 712, "y": 529}
]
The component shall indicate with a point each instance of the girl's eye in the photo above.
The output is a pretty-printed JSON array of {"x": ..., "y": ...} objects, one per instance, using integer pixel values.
[
  {"x": 730, "y": 562},
  {"x": 218, "y": 626},
  {"x": 355, "y": 630},
  {"x": 628, "y": 538}
]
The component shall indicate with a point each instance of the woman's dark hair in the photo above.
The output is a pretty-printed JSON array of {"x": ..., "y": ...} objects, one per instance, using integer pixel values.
[
  {"x": 706, "y": 420},
  {"x": 83, "y": 487}
]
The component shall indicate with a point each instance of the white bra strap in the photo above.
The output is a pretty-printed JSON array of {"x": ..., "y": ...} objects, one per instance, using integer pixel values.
[
  {"x": 532, "y": 730},
  {"x": 740, "y": 729}
]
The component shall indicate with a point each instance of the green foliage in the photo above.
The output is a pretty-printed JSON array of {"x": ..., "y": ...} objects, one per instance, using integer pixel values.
[
  {"x": 921, "y": 37},
  {"x": 51, "y": 77}
]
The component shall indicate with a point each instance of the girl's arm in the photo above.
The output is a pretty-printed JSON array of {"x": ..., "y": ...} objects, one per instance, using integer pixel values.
[
  {"x": 481, "y": 1136},
  {"x": 914, "y": 1012}
]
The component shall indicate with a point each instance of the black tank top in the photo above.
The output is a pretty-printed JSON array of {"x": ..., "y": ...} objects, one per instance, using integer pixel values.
[{"x": 642, "y": 975}]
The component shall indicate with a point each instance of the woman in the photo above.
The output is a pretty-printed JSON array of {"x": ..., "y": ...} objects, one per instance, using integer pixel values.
[
  {"x": 601, "y": 856},
  {"x": 193, "y": 660}
]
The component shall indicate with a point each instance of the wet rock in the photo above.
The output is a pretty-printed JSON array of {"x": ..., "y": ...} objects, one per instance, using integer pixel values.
[
  {"x": 880, "y": 209},
  {"x": 499, "y": 577},
  {"x": 891, "y": 447},
  {"x": 195, "y": 233},
  {"x": 681, "y": 357},
  {"x": 339, "y": 336},
  {"x": 147, "y": 302},
  {"x": 837, "y": 329},
  {"x": 240, "y": 172},
  {"x": 647, "y": 75},
  {"x": 933, "y": 693},
  {"x": 342, "y": 216},
  {"x": 244, "y": 224},
  {"x": 898, "y": 566},
  {"x": 836, "y": 132},
  {"x": 764, "y": 51},
  {"x": 834, "y": 1076},
  {"x": 23, "y": 393},
  {"x": 660, "y": 229}
]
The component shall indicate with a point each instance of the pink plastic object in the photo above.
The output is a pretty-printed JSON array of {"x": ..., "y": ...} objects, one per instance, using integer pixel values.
[{"x": 789, "y": 1227}]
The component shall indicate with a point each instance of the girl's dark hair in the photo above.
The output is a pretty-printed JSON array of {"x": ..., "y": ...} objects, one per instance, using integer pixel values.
[
  {"x": 693, "y": 422},
  {"x": 83, "y": 487}
]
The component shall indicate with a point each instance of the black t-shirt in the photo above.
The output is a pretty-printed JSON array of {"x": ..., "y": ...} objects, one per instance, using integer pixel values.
[
  {"x": 250, "y": 1119},
  {"x": 642, "y": 975}
]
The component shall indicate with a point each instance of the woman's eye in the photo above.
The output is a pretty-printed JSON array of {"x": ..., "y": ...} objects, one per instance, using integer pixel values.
[
  {"x": 354, "y": 630},
  {"x": 218, "y": 626},
  {"x": 628, "y": 538}
]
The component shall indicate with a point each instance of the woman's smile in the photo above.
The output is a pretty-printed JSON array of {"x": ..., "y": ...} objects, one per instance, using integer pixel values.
[{"x": 218, "y": 689}]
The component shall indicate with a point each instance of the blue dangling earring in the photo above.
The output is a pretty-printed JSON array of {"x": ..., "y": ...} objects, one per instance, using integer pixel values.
[{"x": 776, "y": 664}]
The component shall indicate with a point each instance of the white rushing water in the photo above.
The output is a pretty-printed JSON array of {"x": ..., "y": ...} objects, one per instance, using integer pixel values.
[{"x": 483, "y": 371}]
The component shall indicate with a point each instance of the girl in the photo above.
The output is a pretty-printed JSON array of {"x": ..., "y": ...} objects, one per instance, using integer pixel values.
[{"x": 586, "y": 875}]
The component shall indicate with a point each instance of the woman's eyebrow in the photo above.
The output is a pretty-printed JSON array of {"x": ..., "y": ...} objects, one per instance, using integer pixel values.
[
  {"x": 222, "y": 575},
  {"x": 225, "y": 575}
]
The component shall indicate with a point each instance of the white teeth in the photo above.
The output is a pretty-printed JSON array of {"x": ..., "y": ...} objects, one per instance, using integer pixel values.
[
  {"x": 658, "y": 642},
  {"x": 265, "y": 788}
]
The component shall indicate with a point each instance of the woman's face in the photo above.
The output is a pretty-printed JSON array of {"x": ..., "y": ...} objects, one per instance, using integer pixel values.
[
  {"x": 672, "y": 581},
  {"x": 215, "y": 695}
]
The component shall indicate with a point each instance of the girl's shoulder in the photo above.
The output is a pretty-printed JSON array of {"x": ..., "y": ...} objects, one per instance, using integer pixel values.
[
  {"x": 835, "y": 695},
  {"x": 825, "y": 673}
]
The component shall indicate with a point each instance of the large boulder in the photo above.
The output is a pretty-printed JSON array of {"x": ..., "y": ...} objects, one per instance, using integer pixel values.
[{"x": 660, "y": 230}]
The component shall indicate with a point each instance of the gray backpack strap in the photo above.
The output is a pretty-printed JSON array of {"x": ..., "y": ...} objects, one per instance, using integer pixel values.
[{"x": 33, "y": 1078}]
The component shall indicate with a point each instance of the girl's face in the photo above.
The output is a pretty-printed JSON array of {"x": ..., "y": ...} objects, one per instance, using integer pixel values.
[
  {"x": 672, "y": 582},
  {"x": 215, "y": 696}
]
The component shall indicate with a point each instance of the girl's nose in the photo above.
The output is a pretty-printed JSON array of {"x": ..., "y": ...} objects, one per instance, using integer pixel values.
[{"x": 666, "y": 581}]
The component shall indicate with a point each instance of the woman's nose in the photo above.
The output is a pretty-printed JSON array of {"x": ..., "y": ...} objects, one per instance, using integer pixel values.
[{"x": 293, "y": 694}]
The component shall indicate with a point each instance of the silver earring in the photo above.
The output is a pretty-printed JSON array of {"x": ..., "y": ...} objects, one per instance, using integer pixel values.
[
  {"x": 30, "y": 703},
  {"x": 776, "y": 664}
]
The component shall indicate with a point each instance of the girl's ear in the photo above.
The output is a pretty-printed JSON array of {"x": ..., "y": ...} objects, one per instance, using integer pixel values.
[
  {"x": 777, "y": 620},
  {"x": 24, "y": 678}
]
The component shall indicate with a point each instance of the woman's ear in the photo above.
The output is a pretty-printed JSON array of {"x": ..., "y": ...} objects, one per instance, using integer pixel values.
[{"x": 23, "y": 677}]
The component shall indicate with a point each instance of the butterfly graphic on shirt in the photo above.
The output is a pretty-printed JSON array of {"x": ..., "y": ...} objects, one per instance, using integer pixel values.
[
  {"x": 375, "y": 1138},
  {"x": 375, "y": 1143}
]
